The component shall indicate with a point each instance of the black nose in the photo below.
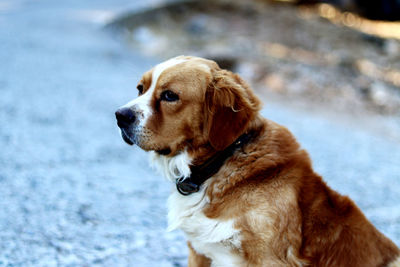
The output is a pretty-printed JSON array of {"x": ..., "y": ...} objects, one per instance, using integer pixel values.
[{"x": 125, "y": 117}]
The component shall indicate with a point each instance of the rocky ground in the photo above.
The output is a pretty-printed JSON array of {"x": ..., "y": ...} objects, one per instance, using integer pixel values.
[{"x": 73, "y": 194}]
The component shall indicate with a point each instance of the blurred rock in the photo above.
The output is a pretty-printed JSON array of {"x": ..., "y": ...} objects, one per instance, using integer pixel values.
[
  {"x": 276, "y": 48},
  {"x": 376, "y": 10},
  {"x": 392, "y": 48},
  {"x": 275, "y": 82}
]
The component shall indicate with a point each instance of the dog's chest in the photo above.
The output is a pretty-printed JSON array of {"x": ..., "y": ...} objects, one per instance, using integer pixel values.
[{"x": 216, "y": 239}]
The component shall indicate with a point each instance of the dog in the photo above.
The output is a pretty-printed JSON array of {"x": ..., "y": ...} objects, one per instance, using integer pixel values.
[{"x": 246, "y": 193}]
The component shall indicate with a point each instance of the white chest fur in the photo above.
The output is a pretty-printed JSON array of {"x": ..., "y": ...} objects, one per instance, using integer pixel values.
[{"x": 213, "y": 238}]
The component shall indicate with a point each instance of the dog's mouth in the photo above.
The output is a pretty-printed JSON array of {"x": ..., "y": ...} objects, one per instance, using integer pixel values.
[
  {"x": 132, "y": 139},
  {"x": 164, "y": 151},
  {"x": 126, "y": 137}
]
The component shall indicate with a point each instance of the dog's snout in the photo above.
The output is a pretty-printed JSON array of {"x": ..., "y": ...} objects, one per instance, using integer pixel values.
[{"x": 125, "y": 117}]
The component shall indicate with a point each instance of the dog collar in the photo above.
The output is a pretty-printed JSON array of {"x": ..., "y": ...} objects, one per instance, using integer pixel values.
[{"x": 199, "y": 174}]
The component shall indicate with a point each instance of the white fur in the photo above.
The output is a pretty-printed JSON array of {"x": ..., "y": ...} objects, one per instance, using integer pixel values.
[
  {"x": 172, "y": 167},
  {"x": 142, "y": 103},
  {"x": 395, "y": 263},
  {"x": 214, "y": 238}
]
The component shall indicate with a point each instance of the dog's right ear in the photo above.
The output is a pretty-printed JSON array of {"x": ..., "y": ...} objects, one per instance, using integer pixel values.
[{"x": 230, "y": 107}]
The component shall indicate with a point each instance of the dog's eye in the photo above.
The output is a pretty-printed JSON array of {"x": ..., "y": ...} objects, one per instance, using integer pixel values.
[
  {"x": 169, "y": 96},
  {"x": 140, "y": 88}
]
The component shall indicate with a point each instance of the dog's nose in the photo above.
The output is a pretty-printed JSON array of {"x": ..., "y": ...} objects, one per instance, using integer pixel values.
[{"x": 125, "y": 117}]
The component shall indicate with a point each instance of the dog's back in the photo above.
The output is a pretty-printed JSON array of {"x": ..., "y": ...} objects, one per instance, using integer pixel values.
[{"x": 287, "y": 215}]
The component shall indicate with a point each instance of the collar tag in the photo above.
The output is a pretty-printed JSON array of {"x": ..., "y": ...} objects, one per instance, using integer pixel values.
[{"x": 186, "y": 187}]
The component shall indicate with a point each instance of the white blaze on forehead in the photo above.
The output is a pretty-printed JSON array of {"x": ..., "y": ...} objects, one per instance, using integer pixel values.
[{"x": 142, "y": 103}]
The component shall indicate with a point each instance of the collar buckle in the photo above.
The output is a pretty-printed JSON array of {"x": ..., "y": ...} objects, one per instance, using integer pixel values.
[{"x": 186, "y": 187}]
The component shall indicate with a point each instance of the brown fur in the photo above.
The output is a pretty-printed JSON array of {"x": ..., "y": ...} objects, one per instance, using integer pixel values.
[
  {"x": 286, "y": 214},
  {"x": 196, "y": 259},
  {"x": 227, "y": 100}
]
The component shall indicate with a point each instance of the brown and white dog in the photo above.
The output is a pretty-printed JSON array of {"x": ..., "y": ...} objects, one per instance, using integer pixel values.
[{"x": 256, "y": 199}]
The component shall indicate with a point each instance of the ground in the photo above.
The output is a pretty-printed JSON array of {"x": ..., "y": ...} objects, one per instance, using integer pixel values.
[{"x": 73, "y": 194}]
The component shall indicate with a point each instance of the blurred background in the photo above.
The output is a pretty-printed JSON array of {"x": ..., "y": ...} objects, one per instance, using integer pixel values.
[{"x": 73, "y": 194}]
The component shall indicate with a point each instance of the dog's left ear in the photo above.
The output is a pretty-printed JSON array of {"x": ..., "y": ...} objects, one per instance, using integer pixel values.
[{"x": 231, "y": 105}]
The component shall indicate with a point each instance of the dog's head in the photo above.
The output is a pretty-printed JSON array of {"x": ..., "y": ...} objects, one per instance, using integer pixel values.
[{"x": 187, "y": 103}]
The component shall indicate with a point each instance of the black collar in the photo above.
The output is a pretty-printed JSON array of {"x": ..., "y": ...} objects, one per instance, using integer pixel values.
[{"x": 199, "y": 174}]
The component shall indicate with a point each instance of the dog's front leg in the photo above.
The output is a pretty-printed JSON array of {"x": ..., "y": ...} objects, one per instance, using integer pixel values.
[{"x": 197, "y": 260}]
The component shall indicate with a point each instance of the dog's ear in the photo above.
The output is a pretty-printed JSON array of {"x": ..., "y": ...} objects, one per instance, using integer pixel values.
[{"x": 231, "y": 105}]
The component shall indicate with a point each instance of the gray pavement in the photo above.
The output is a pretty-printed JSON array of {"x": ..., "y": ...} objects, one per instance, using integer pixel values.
[{"x": 73, "y": 194}]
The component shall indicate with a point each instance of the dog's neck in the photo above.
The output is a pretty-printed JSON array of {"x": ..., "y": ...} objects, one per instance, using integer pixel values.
[
  {"x": 181, "y": 165},
  {"x": 200, "y": 173}
]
